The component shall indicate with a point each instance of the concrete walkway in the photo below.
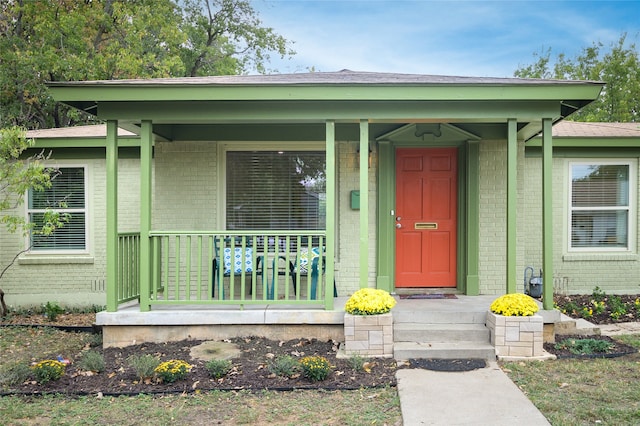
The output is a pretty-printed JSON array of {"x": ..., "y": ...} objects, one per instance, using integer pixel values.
[{"x": 480, "y": 397}]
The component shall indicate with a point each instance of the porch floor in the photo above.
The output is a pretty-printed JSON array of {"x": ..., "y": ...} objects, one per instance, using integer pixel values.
[{"x": 129, "y": 326}]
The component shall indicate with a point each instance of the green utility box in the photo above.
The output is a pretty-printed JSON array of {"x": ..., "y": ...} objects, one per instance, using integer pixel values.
[{"x": 355, "y": 200}]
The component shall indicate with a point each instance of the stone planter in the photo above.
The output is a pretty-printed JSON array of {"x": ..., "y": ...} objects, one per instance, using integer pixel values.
[
  {"x": 369, "y": 335},
  {"x": 516, "y": 337}
]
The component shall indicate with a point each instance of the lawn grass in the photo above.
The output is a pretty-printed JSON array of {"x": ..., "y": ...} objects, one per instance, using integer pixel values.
[
  {"x": 581, "y": 392},
  {"x": 374, "y": 407}
]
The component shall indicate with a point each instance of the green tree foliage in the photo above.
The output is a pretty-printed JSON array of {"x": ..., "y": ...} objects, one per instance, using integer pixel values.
[
  {"x": 20, "y": 173},
  {"x": 72, "y": 40},
  {"x": 618, "y": 66}
]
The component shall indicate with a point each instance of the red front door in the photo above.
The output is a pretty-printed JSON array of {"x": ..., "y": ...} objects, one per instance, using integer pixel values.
[{"x": 426, "y": 217}]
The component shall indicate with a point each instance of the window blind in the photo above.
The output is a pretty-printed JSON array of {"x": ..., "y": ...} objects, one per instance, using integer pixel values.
[
  {"x": 600, "y": 205},
  {"x": 276, "y": 190},
  {"x": 66, "y": 195}
]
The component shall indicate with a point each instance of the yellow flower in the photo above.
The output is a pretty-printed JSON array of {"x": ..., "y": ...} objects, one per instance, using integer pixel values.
[
  {"x": 172, "y": 370},
  {"x": 514, "y": 305},
  {"x": 369, "y": 301}
]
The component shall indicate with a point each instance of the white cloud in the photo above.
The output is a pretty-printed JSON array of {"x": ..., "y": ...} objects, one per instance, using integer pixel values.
[{"x": 480, "y": 38}]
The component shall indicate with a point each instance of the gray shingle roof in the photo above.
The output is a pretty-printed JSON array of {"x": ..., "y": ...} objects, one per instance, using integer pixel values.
[
  {"x": 90, "y": 131},
  {"x": 581, "y": 129},
  {"x": 330, "y": 78}
]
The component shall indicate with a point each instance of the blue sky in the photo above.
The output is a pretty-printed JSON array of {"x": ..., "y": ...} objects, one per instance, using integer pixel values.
[{"x": 465, "y": 38}]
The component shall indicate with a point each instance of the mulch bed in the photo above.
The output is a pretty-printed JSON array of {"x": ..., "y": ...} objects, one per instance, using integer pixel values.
[
  {"x": 618, "y": 348},
  {"x": 250, "y": 370}
]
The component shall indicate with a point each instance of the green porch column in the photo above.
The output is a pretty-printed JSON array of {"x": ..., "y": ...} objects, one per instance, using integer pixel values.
[
  {"x": 112, "y": 215},
  {"x": 364, "y": 203},
  {"x": 330, "y": 141},
  {"x": 547, "y": 214},
  {"x": 512, "y": 202},
  {"x": 146, "y": 145},
  {"x": 473, "y": 218}
]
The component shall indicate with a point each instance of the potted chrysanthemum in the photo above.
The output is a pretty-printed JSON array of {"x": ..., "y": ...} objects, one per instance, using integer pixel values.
[
  {"x": 516, "y": 329},
  {"x": 368, "y": 323}
]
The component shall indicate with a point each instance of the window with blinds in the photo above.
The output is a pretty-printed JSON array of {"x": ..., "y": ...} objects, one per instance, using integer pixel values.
[
  {"x": 67, "y": 194},
  {"x": 600, "y": 214},
  {"x": 284, "y": 190}
]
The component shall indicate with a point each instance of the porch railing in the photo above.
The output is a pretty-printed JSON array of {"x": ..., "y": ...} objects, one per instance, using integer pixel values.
[
  {"x": 128, "y": 280},
  {"x": 223, "y": 268}
]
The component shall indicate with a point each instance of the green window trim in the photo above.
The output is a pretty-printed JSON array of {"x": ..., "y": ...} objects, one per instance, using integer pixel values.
[
  {"x": 67, "y": 195},
  {"x": 601, "y": 206}
]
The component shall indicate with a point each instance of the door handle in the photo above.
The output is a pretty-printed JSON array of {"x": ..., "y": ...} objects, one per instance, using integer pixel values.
[{"x": 398, "y": 225}]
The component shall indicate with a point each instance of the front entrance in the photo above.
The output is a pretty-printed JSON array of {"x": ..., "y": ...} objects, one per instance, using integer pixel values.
[{"x": 426, "y": 217}]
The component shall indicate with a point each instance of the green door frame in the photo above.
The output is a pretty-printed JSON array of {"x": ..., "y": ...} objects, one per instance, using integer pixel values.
[{"x": 468, "y": 215}]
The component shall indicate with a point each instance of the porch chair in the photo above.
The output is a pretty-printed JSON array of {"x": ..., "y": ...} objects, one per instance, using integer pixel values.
[
  {"x": 301, "y": 262},
  {"x": 234, "y": 265}
]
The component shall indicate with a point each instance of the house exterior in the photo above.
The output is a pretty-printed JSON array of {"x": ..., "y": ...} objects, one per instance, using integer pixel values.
[
  {"x": 595, "y": 205},
  {"x": 394, "y": 181}
]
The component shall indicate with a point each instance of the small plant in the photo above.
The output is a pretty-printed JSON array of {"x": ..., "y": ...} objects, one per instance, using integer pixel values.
[
  {"x": 617, "y": 306},
  {"x": 52, "y": 310},
  {"x": 584, "y": 346},
  {"x": 598, "y": 306},
  {"x": 48, "y": 370},
  {"x": 92, "y": 361},
  {"x": 356, "y": 362},
  {"x": 218, "y": 368},
  {"x": 144, "y": 365},
  {"x": 369, "y": 301},
  {"x": 15, "y": 374},
  {"x": 94, "y": 340},
  {"x": 570, "y": 308},
  {"x": 315, "y": 368},
  {"x": 586, "y": 312},
  {"x": 172, "y": 370},
  {"x": 514, "y": 305},
  {"x": 284, "y": 366},
  {"x": 598, "y": 295}
]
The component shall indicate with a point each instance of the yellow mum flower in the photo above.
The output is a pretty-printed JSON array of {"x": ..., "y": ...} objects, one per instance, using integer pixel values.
[
  {"x": 369, "y": 301},
  {"x": 514, "y": 305}
]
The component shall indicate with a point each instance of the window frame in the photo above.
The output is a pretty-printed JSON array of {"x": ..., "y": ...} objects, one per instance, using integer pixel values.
[
  {"x": 255, "y": 146},
  {"x": 631, "y": 208},
  {"x": 86, "y": 210}
]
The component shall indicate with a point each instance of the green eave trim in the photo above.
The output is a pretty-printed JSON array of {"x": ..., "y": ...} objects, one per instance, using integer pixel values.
[
  {"x": 83, "y": 92},
  {"x": 72, "y": 142},
  {"x": 348, "y": 111},
  {"x": 593, "y": 142}
]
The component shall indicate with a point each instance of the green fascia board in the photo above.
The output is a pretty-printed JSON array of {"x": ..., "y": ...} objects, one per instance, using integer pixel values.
[
  {"x": 71, "y": 142},
  {"x": 568, "y": 92},
  {"x": 590, "y": 142},
  {"x": 310, "y": 112}
]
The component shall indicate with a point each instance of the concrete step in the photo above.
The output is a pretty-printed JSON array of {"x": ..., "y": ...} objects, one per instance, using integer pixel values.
[
  {"x": 440, "y": 317},
  {"x": 441, "y": 350},
  {"x": 581, "y": 327},
  {"x": 413, "y": 332}
]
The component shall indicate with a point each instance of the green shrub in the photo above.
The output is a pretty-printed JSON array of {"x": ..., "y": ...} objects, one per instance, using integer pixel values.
[
  {"x": 143, "y": 365},
  {"x": 584, "y": 346},
  {"x": 52, "y": 310},
  {"x": 598, "y": 295},
  {"x": 218, "y": 368},
  {"x": 618, "y": 307},
  {"x": 315, "y": 368},
  {"x": 94, "y": 339},
  {"x": 92, "y": 361},
  {"x": 15, "y": 374},
  {"x": 284, "y": 366},
  {"x": 48, "y": 370},
  {"x": 356, "y": 362}
]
